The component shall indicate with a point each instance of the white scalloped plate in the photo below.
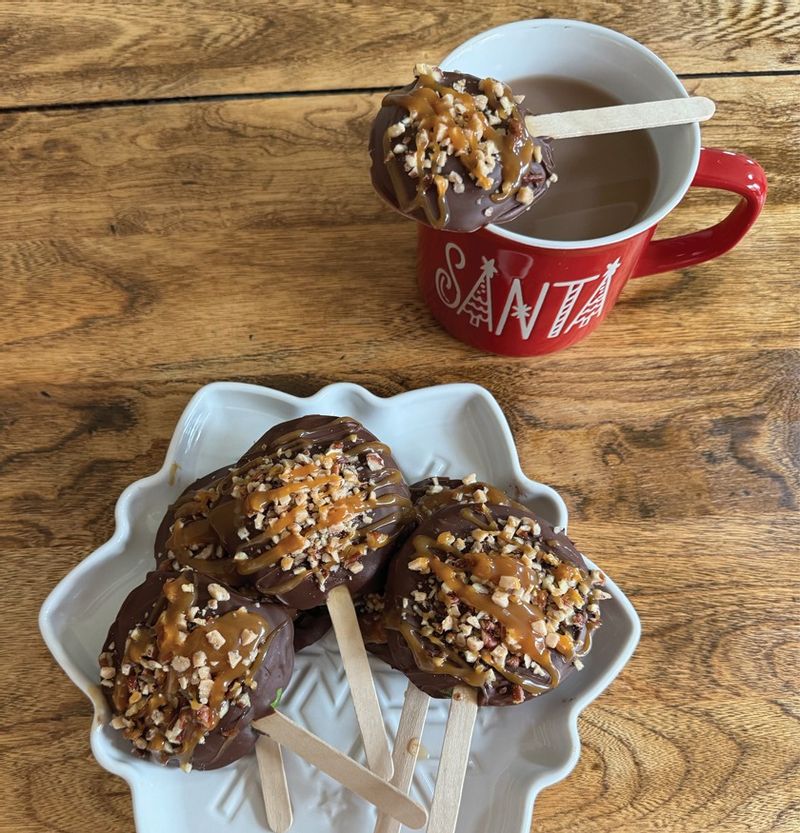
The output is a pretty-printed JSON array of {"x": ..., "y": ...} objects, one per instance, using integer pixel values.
[{"x": 453, "y": 429}]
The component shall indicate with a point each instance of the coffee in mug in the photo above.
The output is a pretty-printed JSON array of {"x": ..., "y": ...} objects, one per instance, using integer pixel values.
[{"x": 605, "y": 183}]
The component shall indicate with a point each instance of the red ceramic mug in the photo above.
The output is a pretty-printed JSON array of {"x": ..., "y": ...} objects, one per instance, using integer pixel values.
[{"x": 520, "y": 296}]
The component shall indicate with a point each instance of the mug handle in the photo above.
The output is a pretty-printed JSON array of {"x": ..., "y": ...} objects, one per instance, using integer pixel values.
[{"x": 727, "y": 171}]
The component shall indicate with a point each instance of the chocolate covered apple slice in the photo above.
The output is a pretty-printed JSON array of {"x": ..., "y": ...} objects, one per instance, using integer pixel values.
[
  {"x": 486, "y": 606},
  {"x": 187, "y": 666},
  {"x": 453, "y": 151}
]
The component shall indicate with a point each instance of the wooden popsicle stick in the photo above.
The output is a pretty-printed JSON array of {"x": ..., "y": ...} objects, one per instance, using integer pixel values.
[
  {"x": 406, "y": 749},
  {"x": 621, "y": 117},
  {"x": 277, "y": 802},
  {"x": 349, "y": 773},
  {"x": 453, "y": 763},
  {"x": 359, "y": 677}
]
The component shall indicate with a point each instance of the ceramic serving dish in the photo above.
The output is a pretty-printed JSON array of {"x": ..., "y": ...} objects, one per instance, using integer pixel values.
[{"x": 516, "y": 751}]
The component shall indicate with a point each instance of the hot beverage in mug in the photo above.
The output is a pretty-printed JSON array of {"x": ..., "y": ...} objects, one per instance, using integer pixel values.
[{"x": 605, "y": 183}]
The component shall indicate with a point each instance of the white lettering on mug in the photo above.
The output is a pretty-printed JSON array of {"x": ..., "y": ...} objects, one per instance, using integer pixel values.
[
  {"x": 478, "y": 302},
  {"x": 447, "y": 287},
  {"x": 522, "y": 312},
  {"x": 594, "y": 306},
  {"x": 570, "y": 297}
]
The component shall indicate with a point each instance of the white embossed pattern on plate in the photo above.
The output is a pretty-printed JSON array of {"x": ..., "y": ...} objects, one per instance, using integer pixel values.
[{"x": 516, "y": 751}]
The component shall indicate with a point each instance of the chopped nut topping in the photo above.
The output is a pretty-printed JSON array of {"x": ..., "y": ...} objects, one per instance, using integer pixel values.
[
  {"x": 509, "y": 583},
  {"x": 218, "y": 592},
  {"x": 500, "y": 598},
  {"x": 539, "y": 627},
  {"x": 248, "y": 636},
  {"x": 427, "y": 69},
  {"x": 474, "y": 644},
  {"x": 374, "y": 462},
  {"x": 525, "y": 195},
  {"x": 181, "y": 664},
  {"x": 204, "y": 689},
  {"x": 161, "y": 699},
  {"x": 499, "y": 653}
]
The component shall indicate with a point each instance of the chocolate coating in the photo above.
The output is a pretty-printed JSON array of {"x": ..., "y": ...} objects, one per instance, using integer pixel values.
[
  {"x": 310, "y": 626},
  {"x": 233, "y": 736},
  {"x": 165, "y": 527},
  {"x": 459, "y": 520},
  {"x": 216, "y": 513},
  {"x": 466, "y": 211}
]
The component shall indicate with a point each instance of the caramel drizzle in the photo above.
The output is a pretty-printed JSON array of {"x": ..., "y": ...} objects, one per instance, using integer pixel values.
[
  {"x": 426, "y": 107},
  {"x": 516, "y": 618},
  {"x": 170, "y": 627},
  {"x": 463, "y": 493},
  {"x": 223, "y": 520},
  {"x": 449, "y": 661}
]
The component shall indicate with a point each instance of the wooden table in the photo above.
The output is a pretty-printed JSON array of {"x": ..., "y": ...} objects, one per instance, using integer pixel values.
[{"x": 185, "y": 199}]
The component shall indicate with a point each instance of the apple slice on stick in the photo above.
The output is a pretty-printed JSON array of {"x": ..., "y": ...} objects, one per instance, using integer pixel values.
[
  {"x": 277, "y": 802},
  {"x": 349, "y": 773},
  {"x": 406, "y": 749},
  {"x": 359, "y": 677}
]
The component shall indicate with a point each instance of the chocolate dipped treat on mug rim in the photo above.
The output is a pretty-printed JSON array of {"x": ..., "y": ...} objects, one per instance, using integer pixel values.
[
  {"x": 316, "y": 502},
  {"x": 452, "y": 151},
  {"x": 189, "y": 664},
  {"x": 483, "y": 596}
]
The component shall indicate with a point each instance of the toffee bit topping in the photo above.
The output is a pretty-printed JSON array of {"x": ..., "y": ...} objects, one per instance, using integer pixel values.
[
  {"x": 176, "y": 678},
  {"x": 503, "y": 604}
]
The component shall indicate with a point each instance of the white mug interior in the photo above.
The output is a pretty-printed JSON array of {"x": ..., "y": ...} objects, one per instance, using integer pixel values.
[{"x": 609, "y": 60}]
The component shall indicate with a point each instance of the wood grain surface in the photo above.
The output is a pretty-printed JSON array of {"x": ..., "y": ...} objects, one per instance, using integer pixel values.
[
  {"x": 149, "y": 249},
  {"x": 56, "y": 51}
]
